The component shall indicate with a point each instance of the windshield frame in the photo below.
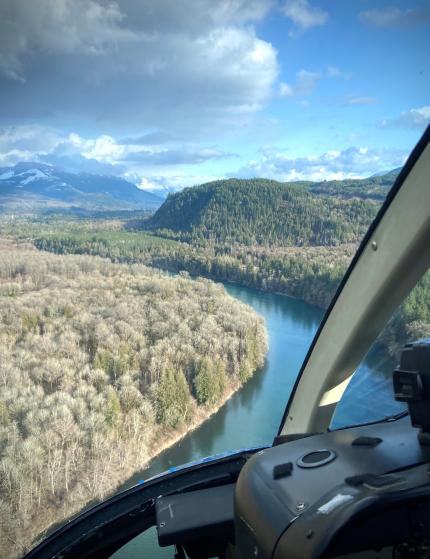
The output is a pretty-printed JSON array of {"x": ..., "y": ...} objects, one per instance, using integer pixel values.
[{"x": 315, "y": 395}]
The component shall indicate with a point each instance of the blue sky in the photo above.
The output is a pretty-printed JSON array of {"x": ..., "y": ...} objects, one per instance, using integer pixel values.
[{"x": 170, "y": 94}]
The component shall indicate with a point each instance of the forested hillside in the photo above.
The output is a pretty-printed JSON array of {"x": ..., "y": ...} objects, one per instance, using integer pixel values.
[
  {"x": 100, "y": 364},
  {"x": 308, "y": 273},
  {"x": 261, "y": 212},
  {"x": 371, "y": 188}
]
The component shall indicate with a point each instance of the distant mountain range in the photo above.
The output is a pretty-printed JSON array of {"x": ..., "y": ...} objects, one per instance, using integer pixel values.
[
  {"x": 29, "y": 188},
  {"x": 36, "y": 187}
]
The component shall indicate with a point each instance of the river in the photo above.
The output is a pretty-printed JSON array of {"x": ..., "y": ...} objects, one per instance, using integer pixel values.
[{"x": 252, "y": 415}]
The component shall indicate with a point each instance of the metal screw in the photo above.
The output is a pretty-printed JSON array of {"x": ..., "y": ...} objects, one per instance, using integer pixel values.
[
  {"x": 374, "y": 245},
  {"x": 300, "y": 506},
  {"x": 162, "y": 524}
]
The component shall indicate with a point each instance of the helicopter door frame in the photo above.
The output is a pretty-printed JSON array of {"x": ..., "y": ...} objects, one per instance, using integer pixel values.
[{"x": 392, "y": 257}]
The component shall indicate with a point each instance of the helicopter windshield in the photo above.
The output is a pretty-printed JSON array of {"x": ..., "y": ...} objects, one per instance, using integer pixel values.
[{"x": 184, "y": 186}]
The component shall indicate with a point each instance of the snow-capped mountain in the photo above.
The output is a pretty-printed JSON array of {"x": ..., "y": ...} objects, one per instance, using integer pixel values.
[{"x": 37, "y": 185}]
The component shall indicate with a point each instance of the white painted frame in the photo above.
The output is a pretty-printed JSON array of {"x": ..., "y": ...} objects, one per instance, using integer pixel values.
[{"x": 393, "y": 257}]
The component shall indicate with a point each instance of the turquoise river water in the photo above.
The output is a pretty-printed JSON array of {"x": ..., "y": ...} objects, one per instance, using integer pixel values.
[{"x": 252, "y": 415}]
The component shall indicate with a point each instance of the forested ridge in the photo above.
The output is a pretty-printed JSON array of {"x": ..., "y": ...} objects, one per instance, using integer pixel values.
[
  {"x": 101, "y": 363},
  {"x": 371, "y": 188},
  {"x": 309, "y": 273},
  {"x": 261, "y": 212}
]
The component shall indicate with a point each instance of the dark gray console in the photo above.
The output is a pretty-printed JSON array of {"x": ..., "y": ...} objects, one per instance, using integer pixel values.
[{"x": 334, "y": 493}]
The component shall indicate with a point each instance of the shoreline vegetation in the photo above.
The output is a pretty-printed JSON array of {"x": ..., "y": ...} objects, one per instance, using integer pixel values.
[
  {"x": 309, "y": 273},
  {"x": 116, "y": 481},
  {"x": 100, "y": 363}
]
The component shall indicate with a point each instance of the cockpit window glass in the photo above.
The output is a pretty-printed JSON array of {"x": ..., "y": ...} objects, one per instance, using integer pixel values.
[
  {"x": 183, "y": 185},
  {"x": 369, "y": 395}
]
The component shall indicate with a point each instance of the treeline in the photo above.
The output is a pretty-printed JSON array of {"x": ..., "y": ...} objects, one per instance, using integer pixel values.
[
  {"x": 99, "y": 363},
  {"x": 260, "y": 212},
  {"x": 371, "y": 188},
  {"x": 308, "y": 273}
]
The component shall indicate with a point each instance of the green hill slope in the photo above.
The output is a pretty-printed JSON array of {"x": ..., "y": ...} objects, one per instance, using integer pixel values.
[
  {"x": 371, "y": 188},
  {"x": 263, "y": 212}
]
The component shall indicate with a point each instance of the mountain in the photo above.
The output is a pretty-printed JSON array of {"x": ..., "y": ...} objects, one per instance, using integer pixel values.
[
  {"x": 262, "y": 212},
  {"x": 28, "y": 187}
]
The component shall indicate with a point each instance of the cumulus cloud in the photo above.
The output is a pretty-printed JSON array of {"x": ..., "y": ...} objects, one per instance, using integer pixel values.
[
  {"x": 136, "y": 64},
  {"x": 163, "y": 184},
  {"x": 96, "y": 27},
  {"x": 396, "y": 17},
  {"x": 102, "y": 154},
  {"x": 57, "y": 27},
  {"x": 304, "y": 15},
  {"x": 414, "y": 118},
  {"x": 353, "y": 162}
]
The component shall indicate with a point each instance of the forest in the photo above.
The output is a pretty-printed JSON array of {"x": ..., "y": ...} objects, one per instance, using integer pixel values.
[
  {"x": 370, "y": 188},
  {"x": 102, "y": 349},
  {"x": 310, "y": 273},
  {"x": 261, "y": 212},
  {"x": 99, "y": 356}
]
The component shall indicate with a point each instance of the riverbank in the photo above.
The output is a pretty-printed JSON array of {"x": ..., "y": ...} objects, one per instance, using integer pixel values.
[
  {"x": 308, "y": 273},
  {"x": 51, "y": 519},
  {"x": 104, "y": 366}
]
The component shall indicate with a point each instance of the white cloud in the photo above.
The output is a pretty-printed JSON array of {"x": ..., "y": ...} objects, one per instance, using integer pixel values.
[
  {"x": 396, "y": 17},
  {"x": 172, "y": 182},
  {"x": 102, "y": 154},
  {"x": 304, "y": 15},
  {"x": 104, "y": 148},
  {"x": 14, "y": 156},
  {"x": 286, "y": 90},
  {"x": 306, "y": 81},
  {"x": 353, "y": 162},
  {"x": 149, "y": 184},
  {"x": 304, "y": 85},
  {"x": 414, "y": 118},
  {"x": 335, "y": 72},
  {"x": 135, "y": 65},
  {"x": 58, "y": 27},
  {"x": 29, "y": 138}
]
